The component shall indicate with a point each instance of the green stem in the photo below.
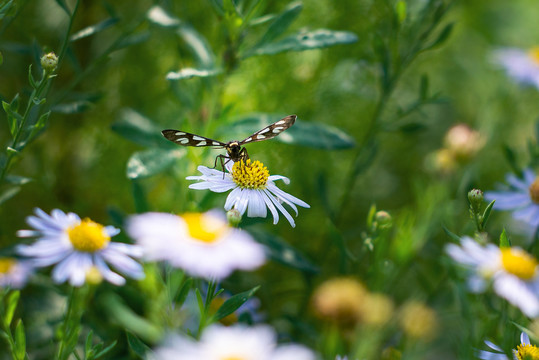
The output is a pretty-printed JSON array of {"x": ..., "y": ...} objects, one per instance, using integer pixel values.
[
  {"x": 70, "y": 328},
  {"x": 205, "y": 316}
]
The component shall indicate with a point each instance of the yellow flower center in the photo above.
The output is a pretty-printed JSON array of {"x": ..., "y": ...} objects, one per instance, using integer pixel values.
[
  {"x": 6, "y": 264},
  {"x": 519, "y": 263},
  {"x": 205, "y": 228},
  {"x": 88, "y": 236},
  {"x": 534, "y": 190},
  {"x": 533, "y": 53},
  {"x": 250, "y": 175},
  {"x": 527, "y": 352}
]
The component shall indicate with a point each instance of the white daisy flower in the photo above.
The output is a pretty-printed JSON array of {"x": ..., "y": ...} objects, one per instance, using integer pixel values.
[
  {"x": 77, "y": 248},
  {"x": 203, "y": 244},
  {"x": 522, "y": 65},
  {"x": 253, "y": 189},
  {"x": 513, "y": 272},
  {"x": 14, "y": 273},
  {"x": 522, "y": 198},
  {"x": 235, "y": 342},
  {"x": 523, "y": 351}
]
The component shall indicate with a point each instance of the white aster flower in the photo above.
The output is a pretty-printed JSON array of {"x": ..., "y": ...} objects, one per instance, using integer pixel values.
[
  {"x": 14, "y": 273},
  {"x": 513, "y": 272},
  {"x": 203, "y": 244},
  {"x": 522, "y": 198},
  {"x": 78, "y": 248},
  {"x": 522, "y": 65},
  {"x": 253, "y": 189},
  {"x": 523, "y": 351},
  {"x": 235, "y": 342}
]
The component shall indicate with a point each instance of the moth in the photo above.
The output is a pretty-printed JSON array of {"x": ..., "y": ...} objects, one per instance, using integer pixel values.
[{"x": 235, "y": 149}]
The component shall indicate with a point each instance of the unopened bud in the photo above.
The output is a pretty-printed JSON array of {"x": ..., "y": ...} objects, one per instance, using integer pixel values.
[
  {"x": 475, "y": 197},
  {"x": 383, "y": 219},
  {"x": 234, "y": 217},
  {"x": 49, "y": 62}
]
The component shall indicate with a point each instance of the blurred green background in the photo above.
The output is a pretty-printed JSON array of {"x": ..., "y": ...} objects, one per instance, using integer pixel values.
[{"x": 79, "y": 163}]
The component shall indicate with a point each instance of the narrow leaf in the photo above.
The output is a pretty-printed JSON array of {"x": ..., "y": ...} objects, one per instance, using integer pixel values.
[
  {"x": 512, "y": 160},
  {"x": 39, "y": 125},
  {"x": 486, "y": 214},
  {"x": 20, "y": 341},
  {"x": 93, "y": 29},
  {"x": 141, "y": 130},
  {"x": 452, "y": 235},
  {"x": 75, "y": 107},
  {"x": 442, "y": 37},
  {"x": 232, "y": 304},
  {"x": 157, "y": 15},
  {"x": 8, "y": 194},
  {"x": 184, "y": 291},
  {"x": 281, "y": 23},
  {"x": 105, "y": 350},
  {"x": 189, "y": 73},
  {"x": 199, "y": 46},
  {"x": 11, "y": 304},
  {"x": 305, "y": 41},
  {"x": 12, "y": 120},
  {"x": 504, "y": 240},
  {"x": 138, "y": 347},
  {"x": 149, "y": 162},
  {"x": 31, "y": 79},
  {"x": 17, "y": 180},
  {"x": 63, "y": 5}
]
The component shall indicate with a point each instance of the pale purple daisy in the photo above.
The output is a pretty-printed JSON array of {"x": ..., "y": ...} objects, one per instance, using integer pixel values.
[
  {"x": 522, "y": 65},
  {"x": 236, "y": 342},
  {"x": 14, "y": 273},
  {"x": 253, "y": 189},
  {"x": 78, "y": 248},
  {"x": 521, "y": 197},
  {"x": 522, "y": 351}
]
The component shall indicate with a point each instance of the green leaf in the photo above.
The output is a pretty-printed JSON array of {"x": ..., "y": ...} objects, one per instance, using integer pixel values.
[
  {"x": 512, "y": 160},
  {"x": 75, "y": 107},
  {"x": 315, "y": 135},
  {"x": 138, "y": 347},
  {"x": 105, "y": 350},
  {"x": 282, "y": 252},
  {"x": 149, "y": 162},
  {"x": 486, "y": 214},
  {"x": 31, "y": 79},
  {"x": 17, "y": 180},
  {"x": 11, "y": 304},
  {"x": 63, "y": 5},
  {"x": 504, "y": 240},
  {"x": 189, "y": 73},
  {"x": 199, "y": 46},
  {"x": 158, "y": 16},
  {"x": 4, "y": 8},
  {"x": 232, "y": 304},
  {"x": 452, "y": 235},
  {"x": 8, "y": 194},
  {"x": 20, "y": 341},
  {"x": 141, "y": 130},
  {"x": 88, "y": 343},
  {"x": 12, "y": 120},
  {"x": 39, "y": 125},
  {"x": 184, "y": 291},
  {"x": 400, "y": 11},
  {"x": 442, "y": 37},
  {"x": 281, "y": 23},
  {"x": 316, "y": 39},
  {"x": 93, "y": 29}
]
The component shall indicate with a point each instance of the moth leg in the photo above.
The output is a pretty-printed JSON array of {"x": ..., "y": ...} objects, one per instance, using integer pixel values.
[{"x": 243, "y": 155}]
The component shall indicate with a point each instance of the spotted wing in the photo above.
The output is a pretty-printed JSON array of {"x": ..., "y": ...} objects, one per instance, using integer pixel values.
[
  {"x": 187, "y": 139},
  {"x": 271, "y": 131}
]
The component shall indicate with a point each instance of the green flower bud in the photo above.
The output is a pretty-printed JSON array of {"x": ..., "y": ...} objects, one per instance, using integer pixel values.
[
  {"x": 234, "y": 217},
  {"x": 49, "y": 62},
  {"x": 383, "y": 219},
  {"x": 475, "y": 197}
]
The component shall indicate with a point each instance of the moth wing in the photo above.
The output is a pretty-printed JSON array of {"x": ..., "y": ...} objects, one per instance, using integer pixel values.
[
  {"x": 187, "y": 139},
  {"x": 271, "y": 131}
]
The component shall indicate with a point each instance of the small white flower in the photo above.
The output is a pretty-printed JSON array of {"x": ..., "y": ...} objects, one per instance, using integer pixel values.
[
  {"x": 522, "y": 198},
  {"x": 77, "y": 247},
  {"x": 203, "y": 244},
  {"x": 253, "y": 189},
  {"x": 522, "y": 351},
  {"x": 522, "y": 65},
  {"x": 14, "y": 273},
  {"x": 235, "y": 342},
  {"x": 513, "y": 272}
]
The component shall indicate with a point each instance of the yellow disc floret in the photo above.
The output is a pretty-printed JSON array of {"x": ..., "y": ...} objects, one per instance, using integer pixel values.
[
  {"x": 88, "y": 236},
  {"x": 534, "y": 54},
  {"x": 205, "y": 228},
  {"x": 6, "y": 264},
  {"x": 250, "y": 175},
  {"x": 527, "y": 352},
  {"x": 534, "y": 191},
  {"x": 519, "y": 263}
]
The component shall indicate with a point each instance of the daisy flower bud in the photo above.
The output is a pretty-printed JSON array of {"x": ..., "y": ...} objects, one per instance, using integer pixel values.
[{"x": 49, "y": 62}]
